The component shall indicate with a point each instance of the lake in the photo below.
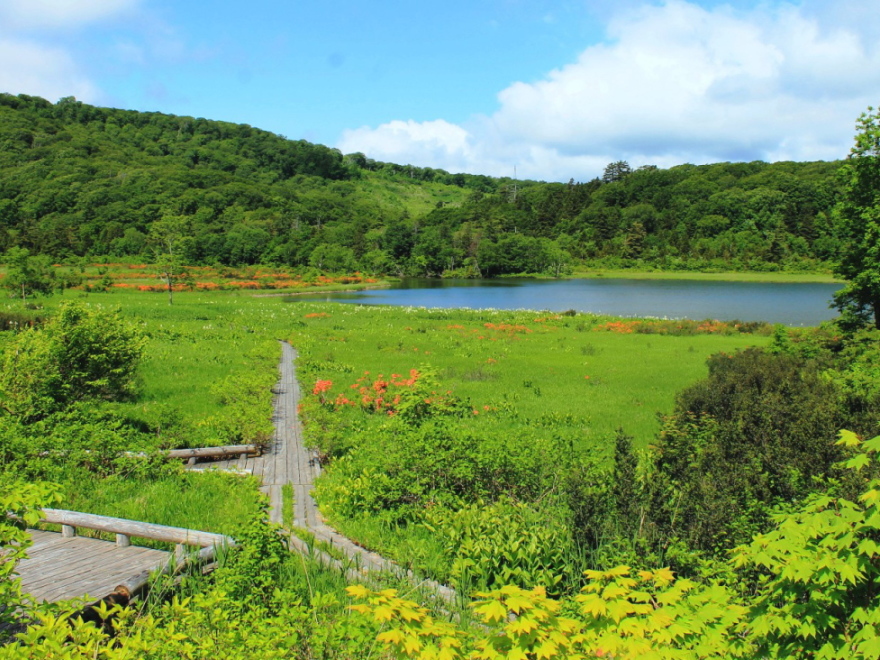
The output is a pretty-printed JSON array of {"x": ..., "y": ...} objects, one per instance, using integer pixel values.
[{"x": 788, "y": 303}]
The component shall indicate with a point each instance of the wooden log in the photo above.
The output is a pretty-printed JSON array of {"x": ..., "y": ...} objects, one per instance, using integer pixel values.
[
  {"x": 177, "y": 535},
  {"x": 195, "y": 452},
  {"x": 135, "y": 583},
  {"x": 230, "y": 470},
  {"x": 199, "y": 452}
]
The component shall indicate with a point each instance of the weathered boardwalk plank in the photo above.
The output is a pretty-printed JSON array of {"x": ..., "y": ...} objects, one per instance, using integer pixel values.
[
  {"x": 59, "y": 568},
  {"x": 287, "y": 461},
  {"x": 302, "y": 470},
  {"x": 300, "y": 465},
  {"x": 275, "y": 470}
]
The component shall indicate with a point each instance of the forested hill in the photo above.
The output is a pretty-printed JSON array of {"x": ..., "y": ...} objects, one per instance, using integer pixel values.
[{"x": 78, "y": 180}]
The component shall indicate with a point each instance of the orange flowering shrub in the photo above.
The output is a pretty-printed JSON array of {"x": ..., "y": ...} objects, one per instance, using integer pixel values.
[
  {"x": 682, "y": 327},
  {"x": 375, "y": 397},
  {"x": 508, "y": 328}
]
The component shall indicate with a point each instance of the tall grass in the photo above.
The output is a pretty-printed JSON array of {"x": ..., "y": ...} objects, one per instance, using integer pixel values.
[
  {"x": 551, "y": 370},
  {"x": 209, "y": 501}
]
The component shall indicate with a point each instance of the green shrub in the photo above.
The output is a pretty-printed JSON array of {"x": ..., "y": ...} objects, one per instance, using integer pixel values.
[
  {"x": 491, "y": 545},
  {"x": 396, "y": 469},
  {"x": 756, "y": 433},
  {"x": 23, "y": 501},
  {"x": 81, "y": 353}
]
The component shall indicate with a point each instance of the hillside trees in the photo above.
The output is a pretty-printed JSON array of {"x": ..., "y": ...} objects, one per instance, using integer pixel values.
[
  {"x": 859, "y": 210},
  {"x": 77, "y": 180},
  {"x": 616, "y": 171}
]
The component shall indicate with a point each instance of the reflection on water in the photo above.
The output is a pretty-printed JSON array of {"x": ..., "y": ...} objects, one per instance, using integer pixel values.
[{"x": 791, "y": 304}]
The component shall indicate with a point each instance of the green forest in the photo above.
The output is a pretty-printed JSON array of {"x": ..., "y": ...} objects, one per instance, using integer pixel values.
[{"x": 83, "y": 181}]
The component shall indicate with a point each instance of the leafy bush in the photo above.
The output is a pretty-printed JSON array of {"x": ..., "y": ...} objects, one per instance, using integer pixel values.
[
  {"x": 22, "y": 501},
  {"x": 491, "y": 545},
  {"x": 756, "y": 433},
  {"x": 817, "y": 598},
  {"x": 395, "y": 469},
  {"x": 81, "y": 353}
]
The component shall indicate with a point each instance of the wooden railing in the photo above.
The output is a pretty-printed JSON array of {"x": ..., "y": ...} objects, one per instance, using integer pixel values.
[
  {"x": 190, "y": 455},
  {"x": 208, "y": 542},
  {"x": 203, "y": 452}
]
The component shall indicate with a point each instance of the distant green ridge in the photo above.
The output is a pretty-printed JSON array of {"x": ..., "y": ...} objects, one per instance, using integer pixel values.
[{"x": 78, "y": 180}]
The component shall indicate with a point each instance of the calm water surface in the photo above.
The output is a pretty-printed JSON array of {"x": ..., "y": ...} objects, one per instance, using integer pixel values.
[{"x": 791, "y": 304}]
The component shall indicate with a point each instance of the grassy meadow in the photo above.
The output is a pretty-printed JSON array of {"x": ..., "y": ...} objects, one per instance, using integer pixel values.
[
  {"x": 601, "y": 373},
  {"x": 589, "y": 373},
  {"x": 211, "y": 361},
  {"x": 516, "y": 402}
]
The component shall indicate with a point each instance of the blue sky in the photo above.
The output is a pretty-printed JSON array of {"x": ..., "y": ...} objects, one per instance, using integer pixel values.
[{"x": 555, "y": 89}]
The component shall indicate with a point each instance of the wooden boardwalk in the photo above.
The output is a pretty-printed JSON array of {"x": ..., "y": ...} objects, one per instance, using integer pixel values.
[
  {"x": 303, "y": 469},
  {"x": 59, "y": 568},
  {"x": 287, "y": 460},
  {"x": 63, "y": 565}
]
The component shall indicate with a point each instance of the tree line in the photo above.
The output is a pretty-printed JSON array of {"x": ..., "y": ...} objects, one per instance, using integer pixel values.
[{"x": 78, "y": 180}]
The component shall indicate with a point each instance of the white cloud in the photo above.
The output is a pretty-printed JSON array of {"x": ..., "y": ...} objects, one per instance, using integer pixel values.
[
  {"x": 38, "y": 70},
  {"x": 438, "y": 140},
  {"x": 27, "y": 14},
  {"x": 31, "y": 62},
  {"x": 673, "y": 83}
]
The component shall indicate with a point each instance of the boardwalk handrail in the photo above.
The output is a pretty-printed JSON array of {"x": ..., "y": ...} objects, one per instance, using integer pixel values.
[
  {"x": 123, "y": 528},
  {"x": 202, "y": 452},
  {"x": 191, "y": 454}
]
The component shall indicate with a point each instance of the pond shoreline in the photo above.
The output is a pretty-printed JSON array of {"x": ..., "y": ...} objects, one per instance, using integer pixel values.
[
  {"x": 725, "y": 276},
  {"x": 300, "y": 292},
  {"x": 789, "y": 303}
]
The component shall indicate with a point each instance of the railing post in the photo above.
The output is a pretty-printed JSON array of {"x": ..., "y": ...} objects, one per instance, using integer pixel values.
[
  {"x": 122, "y": 540},
  {"x": 68, "y": 531},
  {"x": 179, "y": 554}
]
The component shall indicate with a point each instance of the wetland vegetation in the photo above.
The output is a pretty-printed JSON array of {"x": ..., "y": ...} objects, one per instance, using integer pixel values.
[{"x": 488, "y": 449}]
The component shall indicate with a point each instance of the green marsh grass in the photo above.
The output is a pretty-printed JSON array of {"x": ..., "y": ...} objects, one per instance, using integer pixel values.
[
  {"x": 311, "y": 540},
  {"x": 287, "y": 503},
  {"x": 558, "y": 374},
  {"x": 209, "y": 501},
  {"x": 412, "y": 546},
  {"x": 569, "y": 379},
  {"x": 195, "y": 346},
  {"x": 547, "y": 369}
]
